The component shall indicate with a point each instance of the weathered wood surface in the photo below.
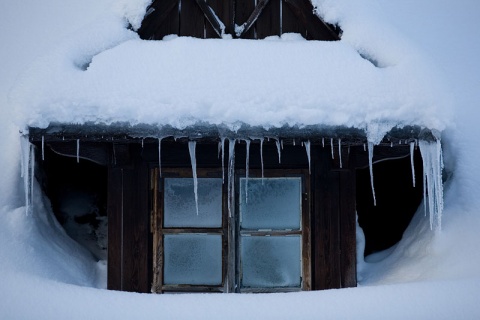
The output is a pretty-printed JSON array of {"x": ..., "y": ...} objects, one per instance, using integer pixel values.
[
  {"x": 115, "y": 228},
  {"x": 329, "y": 236},
  {"x": 265, "y": 19},
  {"x": 128, "y": 236}
]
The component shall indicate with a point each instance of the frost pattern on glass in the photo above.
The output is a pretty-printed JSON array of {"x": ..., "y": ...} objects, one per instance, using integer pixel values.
[
  {"x": 180, "y": 207},
  {"x": 271, "y": 261},
  {"x": 193, "y": 259},
  {"x": 274, "y": 203}
]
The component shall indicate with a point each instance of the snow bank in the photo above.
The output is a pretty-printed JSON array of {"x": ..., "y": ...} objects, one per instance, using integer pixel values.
[{"x": 43, "y": 272}]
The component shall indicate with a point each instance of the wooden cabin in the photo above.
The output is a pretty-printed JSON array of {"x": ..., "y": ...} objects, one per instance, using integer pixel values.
[{"x": 252, "y": 210}]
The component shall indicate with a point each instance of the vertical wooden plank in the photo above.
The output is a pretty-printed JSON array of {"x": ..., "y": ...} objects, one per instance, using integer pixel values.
[
  {"x": 192, "y": 20},
  {"x": 326, "y": 262},
  {"x": 348, "y": 265},
  {"x": 243, "y": 10},
  {"x": 171, "y": 25},
  {"x": 114, "y": 212},
  {"x": 268, "y": 23},
  {"x": 135, "y": 227},
  {"x": 290, "y": 22},
  {"x": 224, "y": 11}
]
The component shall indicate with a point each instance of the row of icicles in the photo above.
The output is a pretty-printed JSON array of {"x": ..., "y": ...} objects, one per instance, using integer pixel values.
[{"x": 431, "y": 156}]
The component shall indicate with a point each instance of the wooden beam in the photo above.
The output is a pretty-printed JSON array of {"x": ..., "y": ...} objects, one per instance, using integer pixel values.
[
  {"x": 217, "y": 25},
  {"x": 253, "y": 17},
  {"x": 316, "y": 28}
]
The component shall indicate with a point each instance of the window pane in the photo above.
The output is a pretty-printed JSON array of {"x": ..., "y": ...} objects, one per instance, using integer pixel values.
[
  {"x": 271, "y": 261},
  {"x": 274, "y": 203},
  {"x": 180, "y": 207},
  {"x": 193, "y": 259}
]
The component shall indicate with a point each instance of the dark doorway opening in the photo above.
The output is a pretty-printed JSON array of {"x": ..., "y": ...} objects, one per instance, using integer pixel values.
[
  {"x": 77, "y": 190},
  {"x": 397, "y": 200}
]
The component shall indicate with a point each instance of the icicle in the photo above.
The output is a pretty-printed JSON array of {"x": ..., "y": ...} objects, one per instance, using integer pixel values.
[
  {"x": 78, "y": 150},
  {"x": 294, "y": 142},
  {"x": 281, "y": 143},
  {"x": 193, "y": 160},
  {"x": 412, "y": 146},
  {"x": 364, "y": 147},
  {"x": 261, "y": 156},
  {"x": 247, "y": 164},
  {"x": 222, "y": 141},
  {"x": 370, "y": 163},
  {"x": 432, "y": 177},
  {"x": 279, "y": 151},
  {"x": 31, "y": 178},
  {"x": 43, "y": 148},
  {"x": 391, "y": 144},
  {"x": 331, "y": 146},
  {"x": 307, "y": 149},
  {"x": 27, "y": 173},
  {"x": 323, "y": 142},
  {"x": 219, "y": 149},
  {"x": 160, "y": 157},
  {"x": 142, "y": 143},
  {"x": 231, "y": 175},
  {"x": 340, "y": 151}
]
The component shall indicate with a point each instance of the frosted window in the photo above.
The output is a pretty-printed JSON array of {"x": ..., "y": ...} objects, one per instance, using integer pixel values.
[
  {"x": 271, "y": 261},
  {"x": 179, "y": 203},
  {"x": 193, "y": 259},
  {"x": 273, "y": 204}
]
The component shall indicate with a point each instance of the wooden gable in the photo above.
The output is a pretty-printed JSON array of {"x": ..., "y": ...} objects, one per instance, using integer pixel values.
[{"x": 239, "y": 18}]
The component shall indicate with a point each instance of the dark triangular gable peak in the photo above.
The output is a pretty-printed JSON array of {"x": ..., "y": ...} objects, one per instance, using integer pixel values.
[{"x": 239, "y": 18}]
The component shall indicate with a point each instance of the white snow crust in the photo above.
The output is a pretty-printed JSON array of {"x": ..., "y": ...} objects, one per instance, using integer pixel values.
[
  {"x": 106, "y": 74},
  {"x": 428, "y": 56}
]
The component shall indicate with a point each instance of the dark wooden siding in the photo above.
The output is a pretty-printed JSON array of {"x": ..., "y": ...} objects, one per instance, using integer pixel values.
[
  {"x": 193, "y": 18},
  {"x": 333, "y": 243}
]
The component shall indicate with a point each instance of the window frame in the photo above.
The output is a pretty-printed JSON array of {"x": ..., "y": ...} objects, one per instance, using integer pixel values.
[{"x": 230, "y": 230}]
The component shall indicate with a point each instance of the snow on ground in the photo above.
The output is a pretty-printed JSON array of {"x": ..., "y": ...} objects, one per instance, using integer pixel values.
[{"x": 428, "y": 275}]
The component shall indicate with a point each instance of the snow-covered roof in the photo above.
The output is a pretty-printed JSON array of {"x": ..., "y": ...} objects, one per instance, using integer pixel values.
[{"x": 106, "y": 74}]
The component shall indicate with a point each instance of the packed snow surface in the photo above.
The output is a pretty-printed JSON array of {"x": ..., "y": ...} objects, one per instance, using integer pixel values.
[
  {"x": 54, "y": 61},
  {"x": 112, "y": 76}
]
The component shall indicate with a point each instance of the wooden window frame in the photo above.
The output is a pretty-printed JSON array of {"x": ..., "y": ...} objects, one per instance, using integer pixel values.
[
  {"x": 303, "y": 232},
  {"x": 230, "y": 231},
  {"x": 159, "y": 231}
]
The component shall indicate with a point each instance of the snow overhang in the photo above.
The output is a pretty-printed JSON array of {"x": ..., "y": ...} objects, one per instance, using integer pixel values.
[{"x": 182, "y": 83}]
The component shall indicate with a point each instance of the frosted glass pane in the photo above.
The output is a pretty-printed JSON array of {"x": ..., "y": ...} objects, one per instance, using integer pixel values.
[
  {"x": 193, "y": 259},
  {"x": 273, "y": 204},
  {"x": 271, "y": 261},
  {"x": 179, "y": 203}
]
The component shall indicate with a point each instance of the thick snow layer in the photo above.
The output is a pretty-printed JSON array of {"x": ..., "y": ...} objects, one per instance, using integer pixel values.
[
  {"x": 428, "y": 275},
  {"x": 106, "y": 74}
]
